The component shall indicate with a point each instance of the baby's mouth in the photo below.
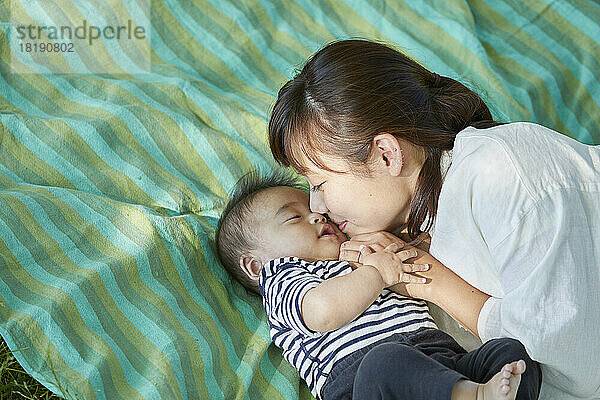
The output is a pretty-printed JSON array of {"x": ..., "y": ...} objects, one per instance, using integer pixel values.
[{"x": 327, "y": 230}]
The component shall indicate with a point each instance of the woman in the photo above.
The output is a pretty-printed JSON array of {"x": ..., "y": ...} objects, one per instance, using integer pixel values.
[{"x": 513, "y": 209}]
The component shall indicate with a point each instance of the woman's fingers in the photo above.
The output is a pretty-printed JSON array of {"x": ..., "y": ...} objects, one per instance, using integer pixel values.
[
  {"x": 348, "y": 256},
  {"x": 355, "y": 255},
  {"x": 355, "y": 245},
  {"x": 382, "y": 237},
  {"x": 363, "y": 251},
  {"x": 395, "y": 247},
  {"x": 351, "y": 245},
  {"x": 352, "y": 250},
  {"x": 373, "y": 247},
  {"x": 372, "y": 236},
  {"x": 415, "y": 267},
  {"x": 407, "y": 254},
  {"x": 407, "y": 278}
]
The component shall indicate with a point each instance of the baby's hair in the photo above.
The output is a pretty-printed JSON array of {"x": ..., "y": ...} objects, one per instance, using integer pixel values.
[
  {"x": 235, "y": 235},
  {"x": 353, "y": 90}
]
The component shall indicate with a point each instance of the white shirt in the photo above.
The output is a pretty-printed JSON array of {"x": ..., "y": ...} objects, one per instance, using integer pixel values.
[{"x": 519, "y": 218}]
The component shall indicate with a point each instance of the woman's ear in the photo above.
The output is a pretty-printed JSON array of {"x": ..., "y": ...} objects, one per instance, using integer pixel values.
[
  {"x": 388, "y": 150},
  {"x": 251, "y": 266}
]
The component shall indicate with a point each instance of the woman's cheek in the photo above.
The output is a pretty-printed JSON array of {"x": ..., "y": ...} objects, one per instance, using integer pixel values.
[
  {"x": 327, "y": 201},
  {"x": 337, "y": 204}
]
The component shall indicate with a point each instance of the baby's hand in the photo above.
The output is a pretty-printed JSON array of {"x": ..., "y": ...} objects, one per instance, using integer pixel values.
[{"x": 390, "y": 262}]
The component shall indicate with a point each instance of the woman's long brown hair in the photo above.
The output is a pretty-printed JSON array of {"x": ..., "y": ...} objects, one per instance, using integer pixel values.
[{"x": 351, "y": 91}]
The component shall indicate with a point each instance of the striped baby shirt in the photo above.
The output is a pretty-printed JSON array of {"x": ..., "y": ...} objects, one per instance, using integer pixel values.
[{"x": 284, "y": 282}]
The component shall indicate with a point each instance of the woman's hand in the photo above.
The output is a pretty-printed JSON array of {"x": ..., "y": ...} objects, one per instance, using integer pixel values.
[
  {"x": 443, "y": 287},
  {"x": 351, "y": 250},
  {"x": 363, "y": 244},
  {"x": 390, "y": 262}
]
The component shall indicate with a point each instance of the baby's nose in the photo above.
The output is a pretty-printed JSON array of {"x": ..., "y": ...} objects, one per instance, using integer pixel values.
[{"x": 316, "y": 217}]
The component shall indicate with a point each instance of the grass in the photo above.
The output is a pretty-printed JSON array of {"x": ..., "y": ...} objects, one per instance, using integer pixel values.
[{"x": 17, "y": 384}]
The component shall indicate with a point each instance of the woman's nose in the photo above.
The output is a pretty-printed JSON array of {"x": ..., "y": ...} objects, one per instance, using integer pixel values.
[{"x": 317, "y": 203}]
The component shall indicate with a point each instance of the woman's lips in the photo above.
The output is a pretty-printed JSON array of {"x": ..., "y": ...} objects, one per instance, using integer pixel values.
[{"x": 342, "y": 226}]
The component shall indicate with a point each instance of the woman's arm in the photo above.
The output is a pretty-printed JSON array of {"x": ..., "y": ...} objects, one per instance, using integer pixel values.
[
  {"x": 460, "y": 300},
  {"x": 454, "y": 295},
  {"x": 339, "y": 300}
]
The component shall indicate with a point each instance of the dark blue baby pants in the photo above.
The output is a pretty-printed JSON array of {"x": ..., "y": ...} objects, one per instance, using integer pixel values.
[{"x": 425, "y": 365}]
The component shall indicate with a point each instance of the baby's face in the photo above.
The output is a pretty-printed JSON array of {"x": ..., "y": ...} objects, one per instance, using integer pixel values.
[{"x": 286, "y": 227}]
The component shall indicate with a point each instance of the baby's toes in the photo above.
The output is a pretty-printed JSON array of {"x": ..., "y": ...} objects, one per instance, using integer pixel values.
[
  {"x": 520, "y": 367},
  {"x": 504, "y": 386}
]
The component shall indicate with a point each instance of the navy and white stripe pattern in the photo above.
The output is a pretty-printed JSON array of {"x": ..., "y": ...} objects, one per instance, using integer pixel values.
[{"x": 284, "y": 282}]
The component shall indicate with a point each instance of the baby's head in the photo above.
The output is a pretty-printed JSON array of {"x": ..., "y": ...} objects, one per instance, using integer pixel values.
[{"x": 269, "y": 218}]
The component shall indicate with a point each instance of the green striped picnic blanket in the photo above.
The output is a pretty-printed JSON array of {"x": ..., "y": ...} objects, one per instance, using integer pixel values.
[{"x": 116, "y": 160}]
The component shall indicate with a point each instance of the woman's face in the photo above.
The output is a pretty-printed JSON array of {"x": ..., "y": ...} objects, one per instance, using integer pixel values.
[{"x": 359, "y": 204}]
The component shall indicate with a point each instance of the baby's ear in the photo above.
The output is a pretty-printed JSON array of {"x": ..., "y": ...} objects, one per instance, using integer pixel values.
[{"x": 250, "y": 265}]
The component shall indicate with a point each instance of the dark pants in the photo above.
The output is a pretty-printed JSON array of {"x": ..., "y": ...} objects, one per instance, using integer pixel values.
[{"x": 425, "y": 365}]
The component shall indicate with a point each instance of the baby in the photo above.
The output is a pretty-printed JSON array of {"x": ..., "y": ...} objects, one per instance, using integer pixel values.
[{"x": 338, "y": 324}]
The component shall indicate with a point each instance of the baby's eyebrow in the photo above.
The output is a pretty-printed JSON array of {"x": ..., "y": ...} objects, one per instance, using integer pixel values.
[{"x": 286, "y": 206}]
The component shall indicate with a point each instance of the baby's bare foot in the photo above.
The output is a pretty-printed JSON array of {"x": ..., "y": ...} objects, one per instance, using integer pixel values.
[{"x": 503, "y": 385}]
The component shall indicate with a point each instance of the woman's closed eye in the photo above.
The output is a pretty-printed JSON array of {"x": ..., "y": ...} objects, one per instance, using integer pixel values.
[
  {"x": 294, "y": 217},
  {"x": 316, "y": 188}
]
